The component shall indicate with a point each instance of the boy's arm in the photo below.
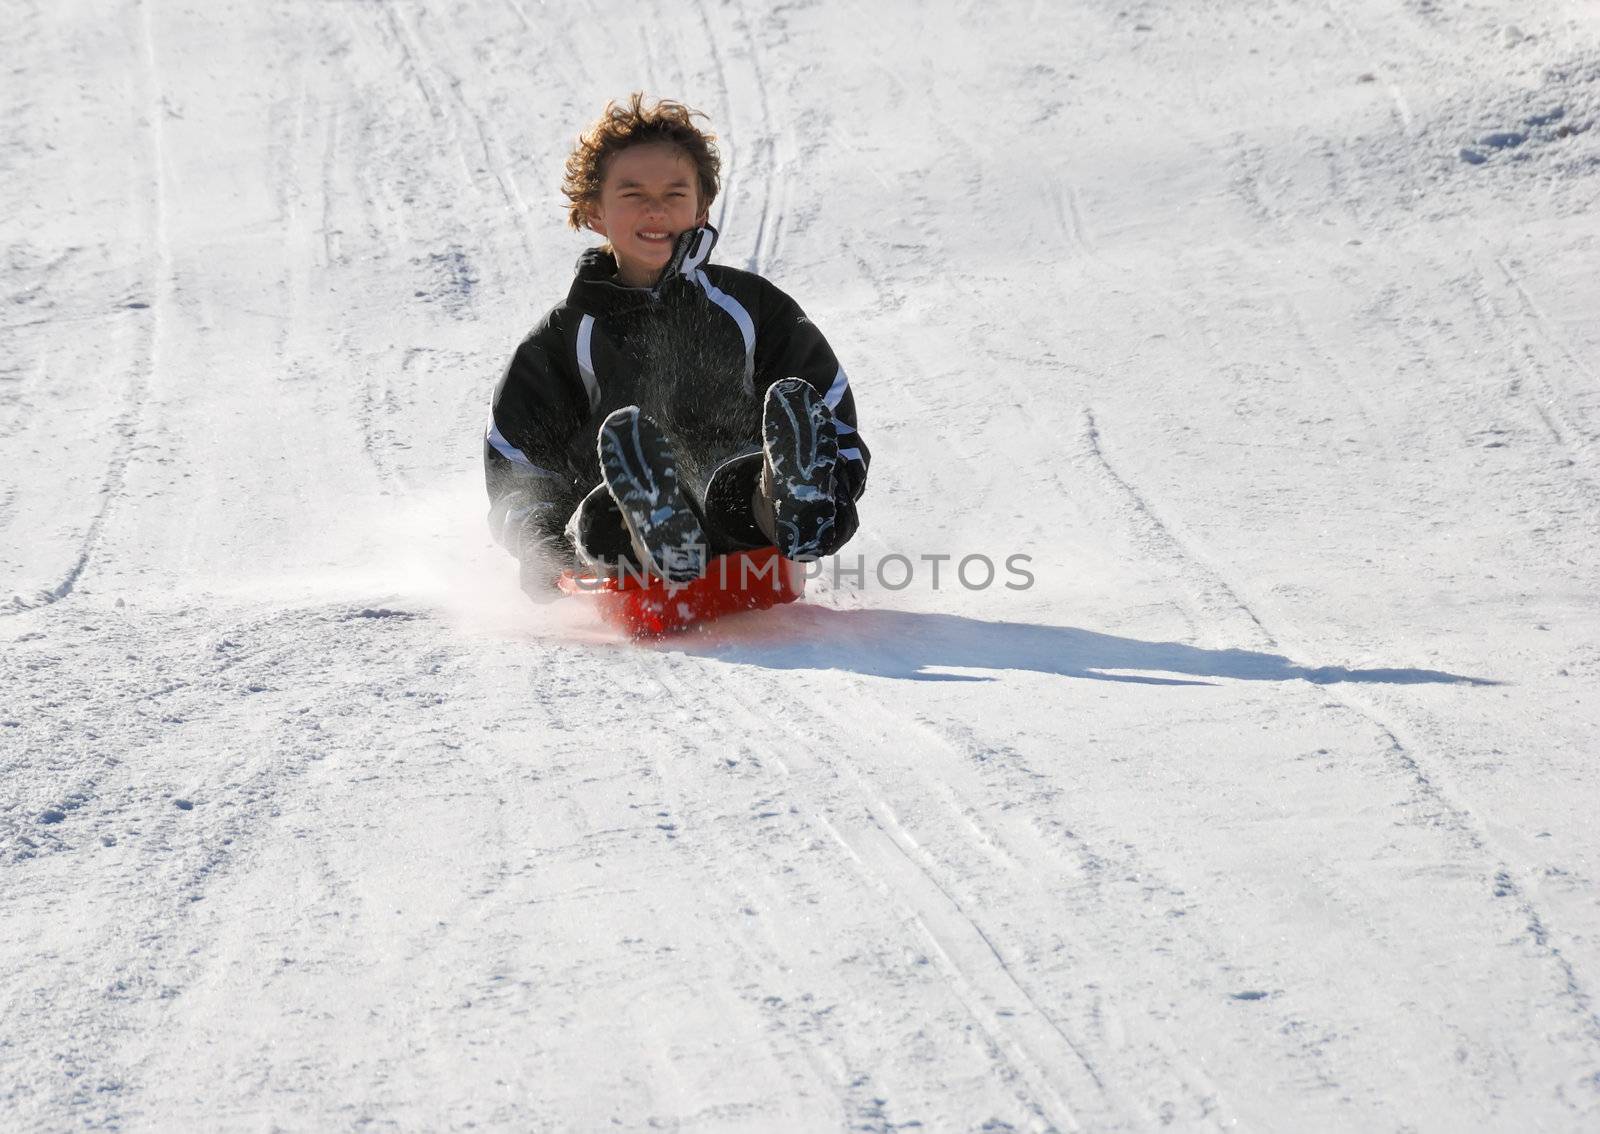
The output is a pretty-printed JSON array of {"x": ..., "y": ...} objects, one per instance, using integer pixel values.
[
  {"x": 527, "y": 470},
  {"x": 788, "y": 345}
]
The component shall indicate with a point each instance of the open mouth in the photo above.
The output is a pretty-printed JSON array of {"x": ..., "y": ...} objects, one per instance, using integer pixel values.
[{"x": 655, "y": 237}]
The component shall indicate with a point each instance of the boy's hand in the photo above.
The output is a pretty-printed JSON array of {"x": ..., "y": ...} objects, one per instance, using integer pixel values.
[
  {"x": 536, "y": 570},
  {"x": 690, "y": 251},
  {"x": 538, "y": 579}
]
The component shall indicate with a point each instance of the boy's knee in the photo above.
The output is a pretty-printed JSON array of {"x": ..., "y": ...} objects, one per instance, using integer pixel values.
[
  {"x": 731, "y": 503},
  {"x": 597, "y": 533}
]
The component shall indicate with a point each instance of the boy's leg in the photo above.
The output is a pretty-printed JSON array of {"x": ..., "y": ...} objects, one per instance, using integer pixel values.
[
  {"x": 741, "y": 503},
  {"x": 846, "y": 520},
  {"x": 641, "y": 473},
  {"x": 795, "y": 503},
  {"x": 598, "y": 534},
  {"x": 730, "y": 505}
]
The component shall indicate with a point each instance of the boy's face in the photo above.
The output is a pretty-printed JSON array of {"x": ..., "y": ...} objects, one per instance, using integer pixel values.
[{"x": 649, "y": 195}]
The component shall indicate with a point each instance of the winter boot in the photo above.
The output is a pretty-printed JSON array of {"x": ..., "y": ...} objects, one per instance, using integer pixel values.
[
  {"x": 641, "y": 473},
  {"x": 801, "y": 450}
]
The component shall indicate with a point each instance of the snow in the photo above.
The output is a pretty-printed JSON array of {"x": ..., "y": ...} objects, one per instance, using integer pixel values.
[{"x": 1269, "y": 804}]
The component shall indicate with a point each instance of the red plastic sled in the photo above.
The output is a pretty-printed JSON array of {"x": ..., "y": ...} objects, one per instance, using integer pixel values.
[{"x": 648, "y": 607}]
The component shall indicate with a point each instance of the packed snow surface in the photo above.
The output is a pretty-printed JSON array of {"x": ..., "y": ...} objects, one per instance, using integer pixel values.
[{"x": 1265, "y": 798}]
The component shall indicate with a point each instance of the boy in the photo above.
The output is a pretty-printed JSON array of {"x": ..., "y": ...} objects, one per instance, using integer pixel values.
[{"x": 670, "y": 409}]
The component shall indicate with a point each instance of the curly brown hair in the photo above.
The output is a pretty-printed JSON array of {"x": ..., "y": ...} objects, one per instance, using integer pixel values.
[{"x": 632, "y": 123}]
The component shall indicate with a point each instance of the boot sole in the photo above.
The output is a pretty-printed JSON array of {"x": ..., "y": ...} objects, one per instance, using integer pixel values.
[
  {"x": 802, "y": 451},
  {"x": 641, "y": 474}
]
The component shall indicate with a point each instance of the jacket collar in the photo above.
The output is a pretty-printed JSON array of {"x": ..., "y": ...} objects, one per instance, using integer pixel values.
[{"x": 596, "y": 290}]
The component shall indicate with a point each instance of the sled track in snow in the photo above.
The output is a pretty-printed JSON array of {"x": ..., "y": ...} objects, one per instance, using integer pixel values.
[
  {"x": 1021, "y": 856},
  {"x": 1064, "y": 1083},
  {"x": 1550, "y": 402},
  {"x": 751, "y": 938},
  {"x": 1220, "y": 598},
  {"x": 142, "y": 371},
  {"x": 978, "y": 972},
  {"x": 750, "y": 148}
]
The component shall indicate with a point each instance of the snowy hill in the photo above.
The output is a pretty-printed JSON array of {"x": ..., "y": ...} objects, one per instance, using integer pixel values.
[{"x": 1266, "y": 332}]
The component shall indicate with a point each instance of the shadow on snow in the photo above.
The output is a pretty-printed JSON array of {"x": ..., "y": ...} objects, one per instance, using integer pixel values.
[{"x": 914, "y": 646}]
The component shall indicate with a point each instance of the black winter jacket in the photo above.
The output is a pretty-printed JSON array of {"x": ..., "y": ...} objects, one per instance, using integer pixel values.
[{"x": 696, "y": 352}]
